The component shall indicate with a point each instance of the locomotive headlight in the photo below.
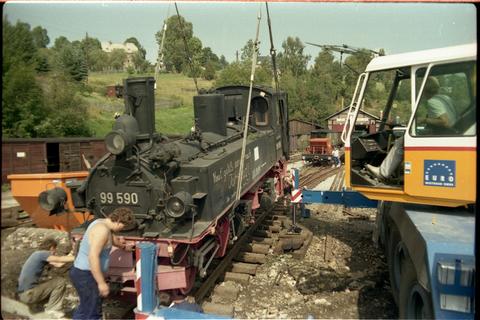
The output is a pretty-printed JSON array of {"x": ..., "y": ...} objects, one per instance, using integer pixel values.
[
  {"x": 53, "y": 200},
  {"x": 123, "y": 135},
  {"x": 116, "y": 141},
  {"x": 179, "y": 204}
]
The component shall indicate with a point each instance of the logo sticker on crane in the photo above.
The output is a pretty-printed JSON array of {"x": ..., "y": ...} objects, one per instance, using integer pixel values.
[
  {"x": 296, "y": 193},
  {"x": 439, "y": 173}
]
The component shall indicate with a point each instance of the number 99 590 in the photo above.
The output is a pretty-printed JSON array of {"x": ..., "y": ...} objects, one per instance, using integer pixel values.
[{"x": 118, "y": 198}]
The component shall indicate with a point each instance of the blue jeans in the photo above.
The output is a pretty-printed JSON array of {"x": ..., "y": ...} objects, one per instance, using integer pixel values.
[{"x": 90, "y": 301}]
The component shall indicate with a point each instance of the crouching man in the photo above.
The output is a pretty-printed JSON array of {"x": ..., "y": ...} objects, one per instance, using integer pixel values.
[{"x": 30, "y": 291}]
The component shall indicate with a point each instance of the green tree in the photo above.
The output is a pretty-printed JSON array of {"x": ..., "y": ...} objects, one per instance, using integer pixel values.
[
  {"x": 238, "y": 73},
  {"x": 117, "y": 59},
  {"x": 30, "y": 100},
  {"x": 40, "y": 37},
  {"x": 325, "y": 84},
  {"x": 139, "y": 61},
  {"x": 175, "y": 58},
  {"x": 223, "y": 62},
  {"x": 209, "y": 58},
  {"x": 292, "y": 57},
  {"x": 98, "y": 60},
  {"x": 71, "y": 59},
  {"x": 43, "y": 58},
  {"x": 60, "y": 42},
  {"x": 22, "y": 105},
  {"x": 18, "y": 45},
  {"x": 67, "y": 114},
  {"x": 209, "y": 72},
  {"x": 192, "y": 67},
  {"x": 354, "y": 64},
  {"x": 298, "y": 102},
  {"x": 90, "y": 46},
  {"x": 247, "y": 51},
  {"x": 141, "y": 49}
]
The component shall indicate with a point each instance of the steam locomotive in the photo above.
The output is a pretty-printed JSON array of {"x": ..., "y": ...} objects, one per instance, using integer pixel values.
[{"x": 183, "y": 192}]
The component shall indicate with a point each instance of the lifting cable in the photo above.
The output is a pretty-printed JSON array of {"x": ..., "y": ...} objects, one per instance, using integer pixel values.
[
  {"x": 187, "y": 52},
  {"x": 160, "y": 56},
  {"x": 273, "y": 52},
  {"x": 245, "y": 128}
]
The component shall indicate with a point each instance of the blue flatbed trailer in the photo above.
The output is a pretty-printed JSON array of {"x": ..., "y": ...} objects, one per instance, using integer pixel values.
[
  {"x": 436, "y": 244},
  {"x": 440, "y": 242}
]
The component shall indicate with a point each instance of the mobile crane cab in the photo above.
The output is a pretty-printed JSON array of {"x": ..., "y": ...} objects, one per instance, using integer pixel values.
[
  {"x": 421, "y": 166},
  {"x": 437, "y": 160}
]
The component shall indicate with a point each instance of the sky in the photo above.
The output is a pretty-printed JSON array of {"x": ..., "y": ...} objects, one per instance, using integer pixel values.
[{"x": 226, "y": 27}]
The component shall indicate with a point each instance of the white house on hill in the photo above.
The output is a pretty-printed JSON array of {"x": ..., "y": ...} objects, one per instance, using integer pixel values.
[{"x": 129, "y": 48}]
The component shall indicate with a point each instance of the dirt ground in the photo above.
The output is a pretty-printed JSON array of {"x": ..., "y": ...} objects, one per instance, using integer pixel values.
[{"x": 342, "y": 275}]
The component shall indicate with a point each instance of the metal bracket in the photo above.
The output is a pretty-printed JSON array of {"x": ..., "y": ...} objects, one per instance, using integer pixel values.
[
  {"x": 200, "y": 254},
  {"x": 347, "y": 198}
]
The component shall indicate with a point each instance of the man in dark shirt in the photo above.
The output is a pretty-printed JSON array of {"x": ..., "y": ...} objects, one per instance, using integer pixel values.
[{"x": 30, "y": 291}]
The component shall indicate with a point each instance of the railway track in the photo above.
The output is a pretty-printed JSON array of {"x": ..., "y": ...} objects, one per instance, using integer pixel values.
[
  {"x": 338, "y": 182},
  {"x": 312, "y": 176},
  {"x": 271, "y": 234}
]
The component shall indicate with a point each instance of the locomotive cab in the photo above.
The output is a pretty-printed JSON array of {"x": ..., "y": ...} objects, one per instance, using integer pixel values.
[{"x": 424, "y": 150}]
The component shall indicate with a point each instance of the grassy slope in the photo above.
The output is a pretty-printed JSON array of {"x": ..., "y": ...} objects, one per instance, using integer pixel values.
[{"x": 173, "y": 101}]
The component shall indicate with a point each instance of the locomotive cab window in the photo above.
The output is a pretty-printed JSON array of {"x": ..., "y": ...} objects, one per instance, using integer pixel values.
[{"x": 260, "y": 111}]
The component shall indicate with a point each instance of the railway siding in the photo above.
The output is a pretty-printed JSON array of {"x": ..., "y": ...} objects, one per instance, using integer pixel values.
[{"x": 336, "y": 272}]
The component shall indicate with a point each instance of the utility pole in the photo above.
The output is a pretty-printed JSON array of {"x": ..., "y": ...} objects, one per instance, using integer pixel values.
[{"x": 237, "y": 56}]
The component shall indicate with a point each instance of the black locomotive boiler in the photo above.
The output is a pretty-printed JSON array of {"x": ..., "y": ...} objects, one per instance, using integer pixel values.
[{"x": 183, "y": 192}]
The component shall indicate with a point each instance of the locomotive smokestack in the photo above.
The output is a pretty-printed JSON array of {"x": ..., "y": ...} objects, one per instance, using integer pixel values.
[{"x": 140, "y": 103}]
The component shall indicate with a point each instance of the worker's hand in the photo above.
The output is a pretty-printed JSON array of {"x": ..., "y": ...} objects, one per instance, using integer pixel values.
[
  {"x": 122, "y": 244},
  {"x": 129, "y": 247},
  {"x": 103, "y": 289}
]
